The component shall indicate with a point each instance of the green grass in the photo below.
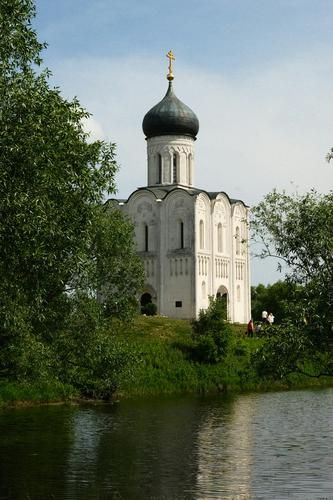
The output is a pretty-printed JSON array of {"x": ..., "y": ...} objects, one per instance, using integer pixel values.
[
  {"x": 163, "y": 363},
  {"x": 25, "y": 393},
  {"x": 164, "y": 347}
]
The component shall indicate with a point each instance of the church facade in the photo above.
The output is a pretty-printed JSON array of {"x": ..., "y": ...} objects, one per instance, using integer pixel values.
[{"x": 193, "y": 243}]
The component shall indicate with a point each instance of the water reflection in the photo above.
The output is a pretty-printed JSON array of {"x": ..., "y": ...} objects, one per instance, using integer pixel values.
[
  {"x": 250, "y": 446},
  {"x": 140, "y": 449},
  {"x": 224, "y": 451},
  {"x": 293, "y": 446},
  {"x": 33, "y": 448}
]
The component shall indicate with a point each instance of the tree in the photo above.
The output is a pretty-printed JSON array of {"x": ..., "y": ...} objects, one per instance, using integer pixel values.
[
  {"x": 299, "y": 230},
  {"x": 52, "y": 182},
  {"x": 277, "y": 298},
  {"x": 211, "y": 333},
  {"x": 118, "y": 270}
]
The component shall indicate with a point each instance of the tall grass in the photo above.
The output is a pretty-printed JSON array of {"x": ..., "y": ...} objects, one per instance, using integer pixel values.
[
  {"x": 165, "y": 347},
  {"x": 163, "y": 363},
  {"x": 22, "y": 393}
]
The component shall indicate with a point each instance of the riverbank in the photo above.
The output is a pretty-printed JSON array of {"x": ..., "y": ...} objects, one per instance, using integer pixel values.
[
  {"x": 163, "y": 350},
  {"x": 165, "y": 347}
]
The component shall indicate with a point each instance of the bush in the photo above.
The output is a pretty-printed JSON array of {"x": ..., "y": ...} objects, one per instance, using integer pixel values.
[
  {"x": 149, "y": 309},
  {"x": 211, "y": 333},
  {"x": 285, "y": 349},
  {"x": 88, "y": 353}
]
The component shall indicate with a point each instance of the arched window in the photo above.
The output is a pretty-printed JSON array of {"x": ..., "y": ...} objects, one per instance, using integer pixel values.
[
  {"x": 189, "y": 169},
  {"x": 175, "y": 168},
  {"x": 238, "y": 241},
  {"x": 222, "y": 295},
  {"x": 159, "y": 169},
  {"x": 146, "y": 238},
  {"x": 202, "y": 234},
  {"x": 181, "y": 234},
  {"x": 219, "y": 238}
]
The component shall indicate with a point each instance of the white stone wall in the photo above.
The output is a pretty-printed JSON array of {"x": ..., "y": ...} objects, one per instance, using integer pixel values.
[
  {"x": 203, "y": 251},
  {"x": 192, "y": 248},
  {"x": 143, "y": 210},
  {"x": 168, "y": 261},
  {"x": 222, "y": 247},
  {"x": 221, "y": 253},
  {"x": 178, "y": 254},
  {"x": 168, "y": 147},
  {"x": 240, "y": 268}
]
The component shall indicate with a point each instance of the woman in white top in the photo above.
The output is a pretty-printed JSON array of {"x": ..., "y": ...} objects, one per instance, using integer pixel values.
[{"x": 270, "y": 318}]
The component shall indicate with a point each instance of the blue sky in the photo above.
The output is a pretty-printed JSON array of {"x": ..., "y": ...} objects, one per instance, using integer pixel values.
[{"x": 258, "y": 74}]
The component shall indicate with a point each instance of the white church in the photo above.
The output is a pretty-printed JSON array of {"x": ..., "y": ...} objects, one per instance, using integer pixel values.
[{"x": 193, "y": 243}]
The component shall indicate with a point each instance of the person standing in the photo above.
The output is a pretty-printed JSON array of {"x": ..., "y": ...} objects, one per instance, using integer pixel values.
[
  {"x": 270, "y": 318},
  {"x": 250, "y": 328},
  {"x": 264, "y": 317}
]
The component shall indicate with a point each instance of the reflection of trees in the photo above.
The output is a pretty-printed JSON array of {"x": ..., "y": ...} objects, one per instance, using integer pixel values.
[
  {"x": 192, "y": 447},
  {"x": 224, "y": 449},
  {"x": 140, "y": 449},
  {"x": 33, "y": 447},
  {"x": 169, "y": 448}
]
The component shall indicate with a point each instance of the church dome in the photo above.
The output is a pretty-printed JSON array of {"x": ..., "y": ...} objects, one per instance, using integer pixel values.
[{"x": 170, "y": 117}]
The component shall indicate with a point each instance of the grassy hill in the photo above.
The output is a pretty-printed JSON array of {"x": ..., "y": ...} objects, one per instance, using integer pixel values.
[
  {"x": 165, "y": 348},
  {"x": 162, "y": 362}
]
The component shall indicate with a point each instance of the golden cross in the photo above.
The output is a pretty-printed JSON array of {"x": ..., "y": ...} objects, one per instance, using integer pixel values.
[{"x": 171, "y": 58}]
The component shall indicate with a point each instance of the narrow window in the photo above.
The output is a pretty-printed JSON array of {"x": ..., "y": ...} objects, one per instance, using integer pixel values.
[
  {"x": 146, "y": 238},
  {"x": 181, "y": 229},
  {"x": 179, "y": 303},
  {"x": 159, "y": 169},
  {"x": 174, "y": 168},
  {"x": 219, "y": 238},
  {"x": 238, "y": 242},
  {"x": 189, "y": 169},
  {"x": 202, "y": 234}
]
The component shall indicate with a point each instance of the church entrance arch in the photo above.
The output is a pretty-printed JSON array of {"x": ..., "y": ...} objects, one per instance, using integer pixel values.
[
  {"x": 147, "y": 303},
  {"x": 146, "y": 298},
  {"x": 223, "y": 296}
]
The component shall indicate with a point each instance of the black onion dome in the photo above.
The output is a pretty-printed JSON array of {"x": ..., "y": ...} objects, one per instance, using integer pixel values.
[{"x": 170, "y": 117}]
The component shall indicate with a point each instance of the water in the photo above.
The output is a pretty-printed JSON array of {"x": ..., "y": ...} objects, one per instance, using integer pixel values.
[{"x": 275, "y": 446}]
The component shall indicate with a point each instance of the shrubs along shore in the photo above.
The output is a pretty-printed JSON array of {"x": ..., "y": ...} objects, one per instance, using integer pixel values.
[{"x": 164, "y": 360}]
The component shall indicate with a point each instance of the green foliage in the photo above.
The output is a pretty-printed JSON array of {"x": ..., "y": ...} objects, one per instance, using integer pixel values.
[
  {"x": 278, "y": 298},
  {"x": 292, "y": 349},
  {"x": 19, "y": 46},
  {"x": 23, "y": 392},
  {"x": 283, "y": 352},
  {"x": 149, "y": 309},
  {"x": 118, "y": 271},
  {"x": 51, "y": 178},
  {"x": 88, "y": 354},
  {"x": 162, "y": 364},
  {"x": 167, "y": 365},
  {"x": 57, "y": 245},
  {"x": 95, "y": 365},
  {"x": 211, "y": 332},
  {"x": 299, "y": 230}
]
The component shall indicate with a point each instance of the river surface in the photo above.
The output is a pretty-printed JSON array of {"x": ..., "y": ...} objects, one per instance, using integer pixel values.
[{"x": 273, "y": 445}]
